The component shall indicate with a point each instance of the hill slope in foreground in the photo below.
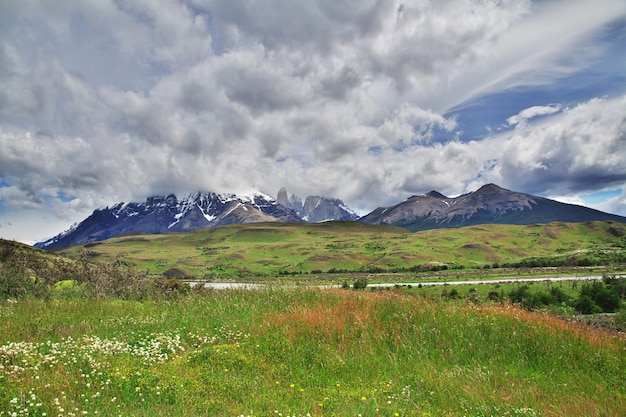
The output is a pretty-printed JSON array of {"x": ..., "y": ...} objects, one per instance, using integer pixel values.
[{"x": 260, "y": 249}]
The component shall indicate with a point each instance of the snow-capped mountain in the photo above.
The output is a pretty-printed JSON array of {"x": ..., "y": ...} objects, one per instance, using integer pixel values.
[
  {"x": 316, "y": 208},
  {"x": 162, "y": 214},
  {"x": 490, "y": 204}
]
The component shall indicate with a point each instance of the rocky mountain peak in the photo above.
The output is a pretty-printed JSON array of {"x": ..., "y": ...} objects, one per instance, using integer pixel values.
[
  {"x": 435, "y": 194},
  {"x": 316, "y": 208}
]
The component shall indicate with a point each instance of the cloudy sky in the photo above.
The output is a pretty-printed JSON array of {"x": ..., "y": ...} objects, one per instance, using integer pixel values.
[{"x": 369, "y": 101}]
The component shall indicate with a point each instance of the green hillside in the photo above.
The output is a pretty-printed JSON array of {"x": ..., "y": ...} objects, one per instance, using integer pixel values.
[{"x": 270, "y": 249}]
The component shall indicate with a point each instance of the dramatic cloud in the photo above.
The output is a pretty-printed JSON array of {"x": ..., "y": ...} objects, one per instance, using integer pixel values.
[
  {"x": 579, "y": 150},
  {"x": 102, "y": 101}
]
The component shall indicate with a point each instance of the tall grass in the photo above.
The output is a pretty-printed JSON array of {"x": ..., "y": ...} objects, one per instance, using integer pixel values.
[{"x": 298, "y": 352}]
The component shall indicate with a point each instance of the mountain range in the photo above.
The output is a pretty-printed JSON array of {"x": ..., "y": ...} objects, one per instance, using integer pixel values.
[
  {"x": 490, "y": 204},
  {"x": 161, "y": 214},
  {"x": 199, "y": 210}
]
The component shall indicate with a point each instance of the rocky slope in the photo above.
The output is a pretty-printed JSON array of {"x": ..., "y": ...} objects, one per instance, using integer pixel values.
[{"x": 489, "y": 204}]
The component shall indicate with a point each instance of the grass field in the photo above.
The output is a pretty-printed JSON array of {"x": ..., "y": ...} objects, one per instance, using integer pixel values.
[
  {"x": 261, "y": 250},
  {"x": 298, "y": 352}
]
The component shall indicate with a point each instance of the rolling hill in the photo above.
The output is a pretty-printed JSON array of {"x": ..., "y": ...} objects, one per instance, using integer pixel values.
[{"x": 271, "y": 249}]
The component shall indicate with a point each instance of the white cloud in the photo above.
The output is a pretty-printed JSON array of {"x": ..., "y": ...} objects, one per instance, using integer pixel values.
[
  {"x": 532, "y": 112},
  {"x": 615, "y": 205},
  {"x": 554, "y": 39},
  {"x": 571, "y": 152},
  {"x": 116, "y": 100}
]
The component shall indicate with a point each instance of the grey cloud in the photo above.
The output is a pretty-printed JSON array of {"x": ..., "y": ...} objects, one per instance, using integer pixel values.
[
  {"x": 196, "y": 97},
  {"x": 339, "y": 84},
  {"x": 23, "y": 92},
  {"x": 260, "y": 91},
  {"x": 21, "y": 199},
  {"x": 274, "y": 23}
]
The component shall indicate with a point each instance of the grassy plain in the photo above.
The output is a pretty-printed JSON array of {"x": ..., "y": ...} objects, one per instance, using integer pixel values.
[
  {"x": 261, "y": 250},
  {"x": 298, "y": 352}
]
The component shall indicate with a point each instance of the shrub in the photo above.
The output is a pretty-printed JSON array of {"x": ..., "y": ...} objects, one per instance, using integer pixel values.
[
  {"x": 453, "y": 294},
  {"x": 585, "y": 305},
  {"x": 172, "y": 287},
  {"x": 620, "y": 320},
  {"x": 518, "y": 295},
  {"x": 22, "y": 274},
  {"x": 360, "y": 284},
  {"x": 559, "y": 295},
  {"x": 604, "y": 297}
]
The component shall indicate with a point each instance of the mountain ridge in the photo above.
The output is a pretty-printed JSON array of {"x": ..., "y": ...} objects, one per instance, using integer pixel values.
[
  {"x": 162, "y": 214},
  {"x": 490, "y": 204}
]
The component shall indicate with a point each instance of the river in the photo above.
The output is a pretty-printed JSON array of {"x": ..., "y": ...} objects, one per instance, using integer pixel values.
[{"x": 505, "y": 280}]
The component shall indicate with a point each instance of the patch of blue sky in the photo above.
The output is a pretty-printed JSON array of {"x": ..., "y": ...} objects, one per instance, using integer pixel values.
[
  {"x": 64, "y": 197},
  {"x": 604, "y": 76},
  {"x": 600, "y": 196}
]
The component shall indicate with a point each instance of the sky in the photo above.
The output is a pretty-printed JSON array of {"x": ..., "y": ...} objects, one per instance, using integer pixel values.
[{"x": 104, "y": 101}]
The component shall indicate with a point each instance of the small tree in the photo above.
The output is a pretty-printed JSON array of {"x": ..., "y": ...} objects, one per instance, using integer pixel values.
[{"x": 360, "y": 284}]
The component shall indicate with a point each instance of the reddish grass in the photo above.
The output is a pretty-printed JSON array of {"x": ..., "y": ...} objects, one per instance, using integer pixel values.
[
  {"x": 347, "y": 314},
  {"x": 556, "y": 325}
]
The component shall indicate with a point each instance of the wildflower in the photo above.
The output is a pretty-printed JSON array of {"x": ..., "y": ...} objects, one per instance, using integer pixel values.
[
  {"x": 137, "y": 389},
  {"x": 363, "y": 398}
]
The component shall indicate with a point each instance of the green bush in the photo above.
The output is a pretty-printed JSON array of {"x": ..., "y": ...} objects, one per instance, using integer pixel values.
[
  {"x": 360, "y": 284},
  {"x": 585, "y": 305},
  {"x": 603, "y": 296}
]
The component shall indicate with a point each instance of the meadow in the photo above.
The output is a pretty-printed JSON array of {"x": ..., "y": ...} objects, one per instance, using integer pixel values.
[{"x": 289, "y": 351}]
